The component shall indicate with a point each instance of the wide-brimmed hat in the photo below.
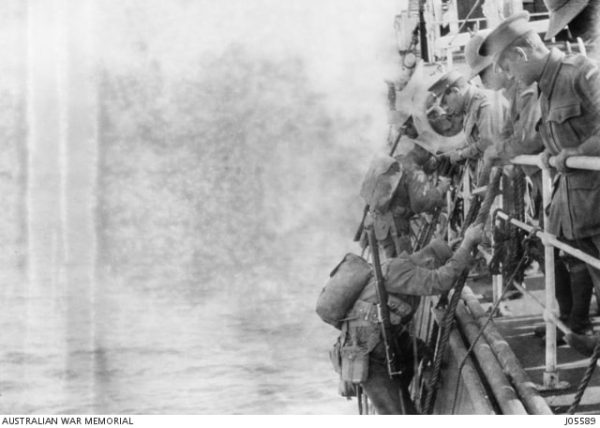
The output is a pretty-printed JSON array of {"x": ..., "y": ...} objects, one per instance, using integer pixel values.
[
  {"x": 477, "y": 63},
  {"x": 505, "y": 34},
  {"x": 380, "y": 182},
  {"x": 445, "y": 82},
  {"x": 561, "y": 13}
]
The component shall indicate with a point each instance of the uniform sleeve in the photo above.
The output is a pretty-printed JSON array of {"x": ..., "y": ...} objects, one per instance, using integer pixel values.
[
  {"x": 405, "y": 277},
  {"x": 424, "y": 197},
  {"x": 491, "y": 125},
  {"x": 524, "y": 140},
  {"x": 470, "y": 152},
  {"x": 588, "y": 87}
]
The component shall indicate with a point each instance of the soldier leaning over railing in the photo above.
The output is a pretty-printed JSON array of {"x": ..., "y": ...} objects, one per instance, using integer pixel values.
[
  {"x": 570, "y": 125},
  {"x": 573, "y": 282}
]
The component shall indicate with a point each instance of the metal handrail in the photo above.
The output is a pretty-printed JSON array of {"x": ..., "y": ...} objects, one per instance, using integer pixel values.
[
  {"x": 590, "y": 163},
  {"x": 481, "y": 19},
  {"x": 551, "y": 239}
]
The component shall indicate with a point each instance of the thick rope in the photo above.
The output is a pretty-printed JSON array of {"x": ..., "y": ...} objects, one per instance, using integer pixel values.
[
  {"x": 585, "y": 380},
  {"x": 508, "y": 241},
  {"x": 459, "y": 284}
]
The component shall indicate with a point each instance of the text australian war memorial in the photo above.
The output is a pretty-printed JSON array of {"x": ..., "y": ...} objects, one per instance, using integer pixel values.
[{"x": 475, "y": 284}]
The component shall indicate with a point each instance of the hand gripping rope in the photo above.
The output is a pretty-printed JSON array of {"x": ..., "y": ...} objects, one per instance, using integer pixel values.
[{"x": 477, "y": 214}]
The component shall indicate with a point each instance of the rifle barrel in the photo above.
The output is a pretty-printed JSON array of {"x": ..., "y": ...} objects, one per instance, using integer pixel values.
[{"x": 383, "y": 310}]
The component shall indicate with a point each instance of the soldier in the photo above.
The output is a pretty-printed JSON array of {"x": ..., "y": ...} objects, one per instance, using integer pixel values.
[
  {"x": 523, "y": 110},
  {"x": 482, "y": 117},
  {"x": 396, "y": 189},
  {"x": 581, "y": 16},
  {"x": 570, "y": 124},
  {"x": 430, "y": 271},
  {"x": 573, "y": 283}
]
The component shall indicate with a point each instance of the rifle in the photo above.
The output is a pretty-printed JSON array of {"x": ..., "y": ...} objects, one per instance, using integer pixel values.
[
  {"x": 383, "y": 312},
  {"x": 361, "y": 226}
]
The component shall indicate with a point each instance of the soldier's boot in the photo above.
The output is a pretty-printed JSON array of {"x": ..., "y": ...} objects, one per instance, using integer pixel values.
[
  {"x": 583, "y": 344},
  {"x": 563, "y": 283}
]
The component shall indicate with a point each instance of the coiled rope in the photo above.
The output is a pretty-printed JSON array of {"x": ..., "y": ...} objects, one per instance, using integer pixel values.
[{"x": 508, "y": 241}]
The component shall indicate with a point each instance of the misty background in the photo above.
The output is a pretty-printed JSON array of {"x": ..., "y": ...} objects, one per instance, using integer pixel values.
[{"x": 179, "y": 177}]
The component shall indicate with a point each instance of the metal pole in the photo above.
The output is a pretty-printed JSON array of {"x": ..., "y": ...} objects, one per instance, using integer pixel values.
[
  {"x": 505, "y": 394},
  {"x": 497, "y": 280},
  {"x": 551, "y": 373},
  {"x": 591, "y": 163},
  {"x": 471, "y": 380},
  {"x": 531, "y": 398},
  {"x": 450, "y": 207},
  {"x": 551, "y": 239},
  {"x": 551, "y": 316},
  {"x": 449, "y": 58},
  {"x": 466, "y": 190}
]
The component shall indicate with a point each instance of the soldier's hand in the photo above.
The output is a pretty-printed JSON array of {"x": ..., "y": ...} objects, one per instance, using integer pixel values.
[
  {"x": 562, "y": 157},
  {"x": 444, "y": 185},
  {"x": 473, "y": 235},
  {"x": 364, "y": 240},
  {"x": 491, "y": 155},
  {"x": 454, "y": 243},
  {"x": 545, "y": 159},
  {"x": 455, "y": 157}
]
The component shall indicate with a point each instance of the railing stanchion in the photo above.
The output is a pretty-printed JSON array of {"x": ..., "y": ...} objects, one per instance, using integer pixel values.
[
  {"x": 497, "y": 281},
  {"x": 550, "y": 378},
  {"x": 466, "y": 189}
]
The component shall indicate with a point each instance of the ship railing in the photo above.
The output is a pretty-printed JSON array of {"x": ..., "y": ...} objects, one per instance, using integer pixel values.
[
  {"x": 550, "y": 307},
  {"x": 453, "y": 41}
]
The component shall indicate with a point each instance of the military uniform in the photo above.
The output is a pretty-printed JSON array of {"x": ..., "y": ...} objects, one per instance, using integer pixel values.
[
  {"x": 430, "y": 271},
  {"x": 570, "y": 102},
  {"x": 573, "y": 282},
  {"x": 562, "y": 12},
  {"x": 484, "y": 118},
  {"x": 569, "y": 94},
  {"x": 482, "y": 114},
  {"x": 413, "y": 194}
]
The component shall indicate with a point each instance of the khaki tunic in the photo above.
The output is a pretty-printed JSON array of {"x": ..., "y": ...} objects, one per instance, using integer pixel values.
[
  {"x": 414, "y": 195},
  {"x": 484, "y": 121},
  {"x": 524, "y": 114},
  {"x": 428, "y": 272},
  {"x": 570, "y": 104}
]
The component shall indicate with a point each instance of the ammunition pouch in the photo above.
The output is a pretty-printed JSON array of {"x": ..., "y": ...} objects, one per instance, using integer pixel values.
[
  {"x": 335, "y": 356},
  {"x": 355, "y": 364},
  {"x": 361, "y": 333},
  {"x": 345, "y": 388}
]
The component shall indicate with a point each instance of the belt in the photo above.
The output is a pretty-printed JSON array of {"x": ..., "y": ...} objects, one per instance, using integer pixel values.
[{"x": 367, "y": 312}]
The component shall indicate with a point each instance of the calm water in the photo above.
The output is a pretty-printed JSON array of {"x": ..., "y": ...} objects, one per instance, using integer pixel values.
[{"x": 117, "y": 349}]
